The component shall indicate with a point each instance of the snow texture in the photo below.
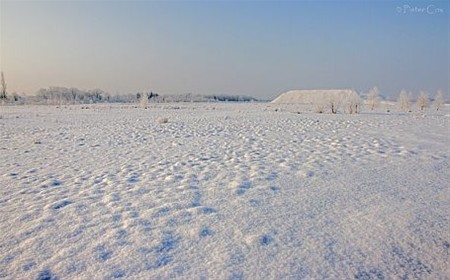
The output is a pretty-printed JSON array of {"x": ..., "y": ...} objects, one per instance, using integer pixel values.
[{"x": 222, "y": 192}]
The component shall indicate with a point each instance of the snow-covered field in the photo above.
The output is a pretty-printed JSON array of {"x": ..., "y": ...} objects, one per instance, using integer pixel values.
[{"x": 236, "y": 191}]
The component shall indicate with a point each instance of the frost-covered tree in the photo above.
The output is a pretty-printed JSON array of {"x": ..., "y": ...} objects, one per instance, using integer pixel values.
[
  {"x": 353, "y": 105},
  {"x": 319, "y": 107},
  {"x": 404, "y": 101},
  {"x": 96, "y": 95},
  {"x": 62, "y": 95},
  {"x": 334, "y": 105},
  {"x": 3, "y": 91},
  {"x": 422, "y": 101},
  {"x": 372, "y": 98},
  {"x": 144, "y": 101},
  {"x": 438, "y": 100}
]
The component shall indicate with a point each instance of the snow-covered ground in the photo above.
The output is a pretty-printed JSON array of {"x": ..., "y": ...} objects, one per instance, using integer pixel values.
[{"x": 238, "y": 191}]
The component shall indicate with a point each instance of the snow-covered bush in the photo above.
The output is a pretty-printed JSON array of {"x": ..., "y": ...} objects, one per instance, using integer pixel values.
[
  {"x": 163, "y": 120},
  {"x": 319, "y": 107}
]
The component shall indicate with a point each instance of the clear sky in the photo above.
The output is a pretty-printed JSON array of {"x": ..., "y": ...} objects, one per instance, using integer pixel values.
[{"x": 257, "y": 48}]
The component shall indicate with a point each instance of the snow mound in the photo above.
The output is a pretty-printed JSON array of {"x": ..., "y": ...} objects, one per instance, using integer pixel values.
[{"x": 314, "y": 96}]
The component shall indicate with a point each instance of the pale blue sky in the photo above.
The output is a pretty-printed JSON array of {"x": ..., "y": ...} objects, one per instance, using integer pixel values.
[{"x": 258, "y": 48}]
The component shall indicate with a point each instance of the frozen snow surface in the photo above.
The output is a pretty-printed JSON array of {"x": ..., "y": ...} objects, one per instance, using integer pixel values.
[{"x": 236, "y": 191}]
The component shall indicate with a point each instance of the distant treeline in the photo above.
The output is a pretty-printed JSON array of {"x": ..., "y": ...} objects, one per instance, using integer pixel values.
[
  {"x": 71, "y": 96},
  {"x": 63, "y": 96},
  {"x": 232, "y": 98}
]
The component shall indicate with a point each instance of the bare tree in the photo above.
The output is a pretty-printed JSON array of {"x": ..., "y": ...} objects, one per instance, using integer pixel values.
[
  {"x": 438, "y": 100},
  {"x": 422, "y": 101},
  {"x": 404, "y": 101},
  {"x": 3, "y": 91},
  {"x": 372, "y": 98}
]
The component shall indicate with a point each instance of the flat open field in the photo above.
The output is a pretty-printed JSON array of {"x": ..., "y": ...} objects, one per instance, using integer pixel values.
[{"x": 222, "y": 191}]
